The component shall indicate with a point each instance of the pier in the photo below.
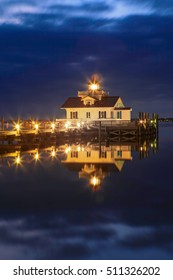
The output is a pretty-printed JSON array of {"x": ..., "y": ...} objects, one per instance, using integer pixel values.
[{"x": 144, "y": 127}]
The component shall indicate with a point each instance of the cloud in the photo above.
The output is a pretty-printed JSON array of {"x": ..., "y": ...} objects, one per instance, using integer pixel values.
[
  {"x": 18, "y": 12},
  {"x": 76, "y": 236}
]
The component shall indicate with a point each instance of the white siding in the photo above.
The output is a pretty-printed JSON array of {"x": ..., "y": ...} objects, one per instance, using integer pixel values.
[{"x": 94, "y": 113}]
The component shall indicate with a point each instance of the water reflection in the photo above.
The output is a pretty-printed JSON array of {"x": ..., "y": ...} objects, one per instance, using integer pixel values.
[
  {"x": 94, "y": 161},
  {"x": 47, "y": 212}
]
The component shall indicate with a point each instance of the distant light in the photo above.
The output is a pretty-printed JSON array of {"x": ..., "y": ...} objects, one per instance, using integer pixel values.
[
  {"x": 79, "y": 148},
  {"x": 18, "y": 160},
  {"x": 94, "y": 86},
  {"x": 151, "y": 121},
  {"x": 67, "y": 124},
  {"x": 152, "y": 145},
  {"x": 141, "y": 121},
  {"x": 17, "y": 126},
  {"x": 141, "y": 149},
  {"x": 53, "y": 153},
  {"x": 53, "y": 126},
  {"x": 95, "y": 181},
  {"x": 68, "y": 149},
  {"x": 36, "y": 126},
  {"x": 78, "y": 125},
  {"x": 36, "y": 156}
]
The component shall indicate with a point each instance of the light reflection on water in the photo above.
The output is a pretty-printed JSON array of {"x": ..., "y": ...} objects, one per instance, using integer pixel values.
[{"x": 87, "y": 201}]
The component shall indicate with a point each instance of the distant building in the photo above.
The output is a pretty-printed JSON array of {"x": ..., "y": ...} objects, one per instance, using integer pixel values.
[{"x": 96, "y": 104}]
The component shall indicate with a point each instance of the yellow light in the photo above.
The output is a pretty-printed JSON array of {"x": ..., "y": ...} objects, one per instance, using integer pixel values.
[
  {"x": 141, "y": 121},
  {"x": 68, "y": 149},
  {"x": 67, "y": 124},
  {"x": 53, "y": 153},
  {"x": 78, "y": 125},
  {"x": 141, "y": 149},
  {"x": 17, "y": 126},
  {"x": 79, "y": 148},
  {"x": 36, "y": 126},
  {"x": 151, "y": 121},
  {"x": 95, "y": 181},
  {"x": 18, "y": 160},
  {"x": 94, "y": 86},
  {"x": 36, "y": 156},
  {"x": 53, "y": 125}
]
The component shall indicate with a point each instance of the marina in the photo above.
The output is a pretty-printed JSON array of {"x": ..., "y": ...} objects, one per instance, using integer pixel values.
[{"x": 93, "y": 113}]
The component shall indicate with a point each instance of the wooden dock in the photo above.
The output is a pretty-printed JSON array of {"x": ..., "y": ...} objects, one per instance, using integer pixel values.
[{"x": 63, "y": 129}]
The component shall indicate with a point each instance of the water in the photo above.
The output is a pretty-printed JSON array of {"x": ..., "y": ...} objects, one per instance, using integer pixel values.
[{"x": 113, "y": 205}]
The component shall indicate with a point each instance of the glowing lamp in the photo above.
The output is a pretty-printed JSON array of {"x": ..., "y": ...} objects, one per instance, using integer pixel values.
[
  {"x": 79, "y": 148},
  {"x": 17, "y": 126},
  {"x": 95, "y": 181},
  {"x": 68, "y": 149},
  {"x": 67, "y": 124},
  {"x": 94, "y": 86},
  {"x": 36, "y": 156},
  {"x": 18, "y": 160},
  {"x": 36, "y": 126},
  {"x": 53, "y": 125},
  {"x": 53, "y": 153}
]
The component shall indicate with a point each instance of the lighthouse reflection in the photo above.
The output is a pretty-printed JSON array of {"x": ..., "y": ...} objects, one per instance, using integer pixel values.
[{"x": 92, "y": 161}]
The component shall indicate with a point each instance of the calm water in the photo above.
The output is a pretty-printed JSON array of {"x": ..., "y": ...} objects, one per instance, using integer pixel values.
[{"x": 88, "y": 202}]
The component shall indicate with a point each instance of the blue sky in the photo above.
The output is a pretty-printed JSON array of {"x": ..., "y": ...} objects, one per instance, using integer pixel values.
[{"x": 50, "y": 48}]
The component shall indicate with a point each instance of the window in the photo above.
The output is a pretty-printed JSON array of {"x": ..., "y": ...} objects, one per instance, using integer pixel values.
[
  {"x": 119, "y": 115},
  {"x": 119, "y": 153},
  {"x": 112, "y": 114},
  {"x": 103, "y": 155},
  {"x": 88, "y": 154},
  {"x": 74, "y": 154},
  {"x": 102, "y": 114},
  {"x": 73, "y": 115},
  {"x": 88, "y": 115},
  {"x": 88, "y": 103}
]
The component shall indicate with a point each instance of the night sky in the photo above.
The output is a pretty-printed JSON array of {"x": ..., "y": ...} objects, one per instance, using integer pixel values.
[{"x": 49, "y": 49}]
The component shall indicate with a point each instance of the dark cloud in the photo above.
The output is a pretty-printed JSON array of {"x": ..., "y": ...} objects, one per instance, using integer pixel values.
[
  {"x": 67, "y": 237},
  {"x": 135, "y": 61}
]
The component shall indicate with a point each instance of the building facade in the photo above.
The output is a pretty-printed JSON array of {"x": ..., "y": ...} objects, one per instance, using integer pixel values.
[{"x": 96, "y": 104}]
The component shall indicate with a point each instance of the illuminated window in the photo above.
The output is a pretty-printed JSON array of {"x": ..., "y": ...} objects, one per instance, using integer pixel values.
[
  {"x": 103, "y": 155},
  {"x": 119, "y": 115},
  {"x": 88, "y": 154},
  {"x": 74, "y": 154},
  {"x": 73, "y": 115},
  {"x": 88, "y": 115},
  {"x": 119, "y": 153},
  {"x": 102, "y": 114}
]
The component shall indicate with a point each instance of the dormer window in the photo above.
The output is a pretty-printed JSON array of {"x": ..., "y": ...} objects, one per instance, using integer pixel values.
[{"x": 88, "y": 101}]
